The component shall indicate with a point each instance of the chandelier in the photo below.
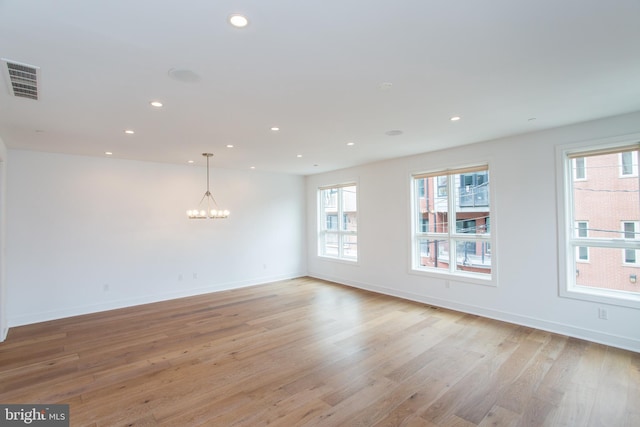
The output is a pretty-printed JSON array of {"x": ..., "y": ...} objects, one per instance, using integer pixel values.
[{"x": 212, "y": 210}]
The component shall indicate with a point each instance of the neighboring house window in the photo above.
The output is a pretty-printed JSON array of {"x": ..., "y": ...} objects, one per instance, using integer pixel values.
[
  {"x": 451, "y": 228},
  {"x": 629, "y": 163},
  {"x": 582, "y": 230},
  {"x": 630, "y": 231},
  {"x": 338, "y": 224},
  {"x": 599, "y": 222},
  {"x": 579, "y": 168}
]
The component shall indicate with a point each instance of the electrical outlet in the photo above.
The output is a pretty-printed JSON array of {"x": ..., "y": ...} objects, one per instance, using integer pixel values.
[
  {"x": 105, "y": 287},
  {"x": 602, "y": 313},
  {"x": 195, "y": 276},
  {"x": 447, "y": 284},
  {"x": 180, "y": 277}
]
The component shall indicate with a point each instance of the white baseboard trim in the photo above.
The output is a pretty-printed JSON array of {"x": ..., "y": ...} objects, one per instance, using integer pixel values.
[
  {"x": 622, "y": 342},
  {"x": 31, "y": 318},
  {"x": 3, "y": 334}
]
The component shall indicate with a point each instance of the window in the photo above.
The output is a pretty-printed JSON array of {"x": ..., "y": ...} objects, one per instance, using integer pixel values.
[
  {"x": 338, "y": 224},
  {"x": 631, "y": 231},
  {"x": 629, "y": 163},
  {"x": 600, "y": 220},
  {"x": 582, "y": 231},
  {"x": 461, "y": 196},
  {"x": 579, "y": 168}
]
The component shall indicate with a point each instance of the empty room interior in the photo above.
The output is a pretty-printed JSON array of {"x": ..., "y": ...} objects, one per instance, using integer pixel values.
[{"x": 357, "y": 213}]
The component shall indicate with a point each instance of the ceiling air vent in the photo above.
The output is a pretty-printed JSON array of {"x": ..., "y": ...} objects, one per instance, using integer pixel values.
[{"x": 22, "y": 78}]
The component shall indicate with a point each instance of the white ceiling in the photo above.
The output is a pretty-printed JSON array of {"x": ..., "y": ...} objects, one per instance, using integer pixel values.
[{"x": 315, "y": 68}]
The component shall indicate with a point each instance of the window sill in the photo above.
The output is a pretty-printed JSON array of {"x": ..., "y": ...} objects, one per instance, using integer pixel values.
[
  {"x": 457, "y": 277},
  {"x": 603, "y": 296},
  {"x": 340, "y": 260}
]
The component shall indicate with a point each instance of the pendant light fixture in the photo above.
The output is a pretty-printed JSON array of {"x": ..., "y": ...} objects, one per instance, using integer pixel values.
[{"x": 210, "y": 209}]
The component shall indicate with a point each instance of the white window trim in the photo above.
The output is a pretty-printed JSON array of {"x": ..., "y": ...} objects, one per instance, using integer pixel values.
[
  {"x": 564, "y": 181},
  {"x": 321, "y": 228},
  {"x": 452, "y": 274}
]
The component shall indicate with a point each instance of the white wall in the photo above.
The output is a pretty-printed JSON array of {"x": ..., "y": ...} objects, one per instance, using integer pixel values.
[
  {"x": 88, "y": 234},
  {"x": 523, "y": 183},
  {"x": 3, "y": 215}
]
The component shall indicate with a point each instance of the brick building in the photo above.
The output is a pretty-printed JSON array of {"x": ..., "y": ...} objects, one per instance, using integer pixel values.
[{"x": 606, "y": 205}]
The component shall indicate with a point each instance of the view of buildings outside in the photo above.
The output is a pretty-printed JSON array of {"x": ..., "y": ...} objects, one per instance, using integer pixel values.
[
  {"x": 606, "y": 205},
  {"x": 471, "y": 210}
]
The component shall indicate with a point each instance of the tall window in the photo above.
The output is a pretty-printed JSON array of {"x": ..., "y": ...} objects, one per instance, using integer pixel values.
[
  {"x": 600, "y": 220},
  {"x": 451, "y": 232},
  {"x": 338, "y": 222}
]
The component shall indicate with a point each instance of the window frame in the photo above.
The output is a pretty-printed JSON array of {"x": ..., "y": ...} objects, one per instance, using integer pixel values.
[
  {"x": 452, "y": 236},
  {"x": 340, "y": 231},
  {"x": 567, "y": 242}
]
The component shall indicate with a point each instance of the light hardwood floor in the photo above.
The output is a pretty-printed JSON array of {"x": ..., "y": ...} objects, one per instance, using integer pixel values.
[{"x": 305, "y": 352}]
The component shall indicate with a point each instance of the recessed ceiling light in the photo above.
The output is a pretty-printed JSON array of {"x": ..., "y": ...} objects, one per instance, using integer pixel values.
[
  {"x": 386, "y": 85},
  {"x": 532, "y": 119},
  {"x": 394, "y": 132},
  {"x": 229, "y": 145},
  {"x": 275, "y": 128},
  {"x": 455, "y": 118},
  {"x": 129, "y": 132},
  {"x": 252, "y": 167},
  {"x": 351, "y": 143},
  {"x": 156, "y": 104},
  {"x": 183, "y": 75},
  {"x": 190, "y": 161},
  {"x": 238, "y": 21},
  {"x": 299, "y": 155},
  {"x": 108, "y": 153}
]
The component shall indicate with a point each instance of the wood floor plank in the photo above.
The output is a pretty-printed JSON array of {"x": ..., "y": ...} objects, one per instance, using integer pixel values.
[{"x": 307, "y": 352}]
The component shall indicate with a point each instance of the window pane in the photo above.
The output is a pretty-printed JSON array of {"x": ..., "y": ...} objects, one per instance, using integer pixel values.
[
  {"x": 607, "y": 271},
  {"x": 472, "y": 203},
  {"x": 579, "y": 171},
  {"x": 607, "y": 205},
  {"x": 472, "y": 256},
  {"x": 473, "y": 189},
  {"x": 627, "y": 163},
  {"x": 439, "y": 205},
  {"x": 432, "y": 209},
  {"x": 332, "y": 222},
  {"x": 604, "y": 199},
  {"x": 630, "y": 256},
  {"x": 350, "y": 246},
  {"x": 434, "y": 253},
  {"x": 330, "y": 244},
  {"x": 629, "y": 230}
]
